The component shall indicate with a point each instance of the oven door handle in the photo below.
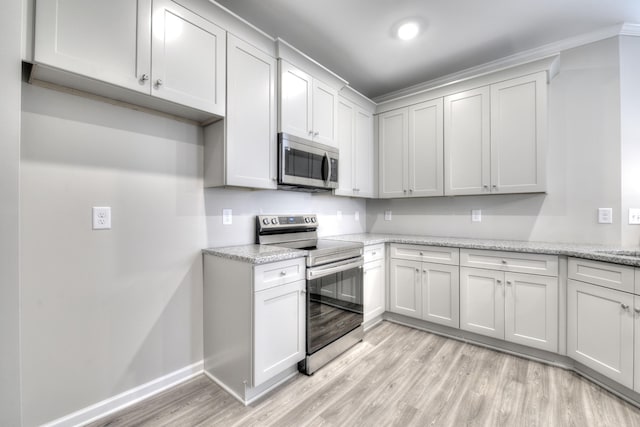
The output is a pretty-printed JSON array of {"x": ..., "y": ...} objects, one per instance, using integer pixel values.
[{"x": 336, "y": 267}]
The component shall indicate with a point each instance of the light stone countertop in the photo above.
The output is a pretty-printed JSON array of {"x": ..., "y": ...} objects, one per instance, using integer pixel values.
[{"x": 261, "y": 254}]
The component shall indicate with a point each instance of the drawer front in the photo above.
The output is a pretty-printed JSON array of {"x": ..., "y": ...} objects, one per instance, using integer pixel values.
[
  {"x": 614, "y": 276},
  {"x": 435, "y": 254},
  {"x": 373, "y": 252},
  {"x": 546, "y": 265},
  {"x": 278, "y": 273}
]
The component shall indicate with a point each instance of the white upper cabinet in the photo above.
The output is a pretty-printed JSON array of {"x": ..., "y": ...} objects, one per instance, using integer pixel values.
[
  {"x": 495, "y": 138},
  {"x": 308, "y": 107},
  {"x": 157, "y": 48},
  {"x": 411, "y": 151},
  {"x": 467, "y": 147},
  {"x": 355, "y": 141},
  {"x": 108, "y": 41},
  {"x": 518, "y": 129},
  {"x": 188, "y": 58}
]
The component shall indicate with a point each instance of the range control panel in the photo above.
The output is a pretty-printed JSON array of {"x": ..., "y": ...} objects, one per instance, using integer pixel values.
[{"x": 266, "y": 222}]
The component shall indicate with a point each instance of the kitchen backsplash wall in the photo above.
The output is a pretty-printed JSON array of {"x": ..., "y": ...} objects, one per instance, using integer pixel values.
[
  {"x": 246, "y": 204},
  {"x": 583, "y": 163}
]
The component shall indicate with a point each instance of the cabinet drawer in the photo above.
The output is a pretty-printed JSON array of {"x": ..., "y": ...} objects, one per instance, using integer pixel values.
[
  {"x": 278, "y": 273},
  {"x": 612, "y": 276},
  {"x": 546, "y": 265},
  {"x": 435, "y": 254},
  {"x": 373, "y": 252}
]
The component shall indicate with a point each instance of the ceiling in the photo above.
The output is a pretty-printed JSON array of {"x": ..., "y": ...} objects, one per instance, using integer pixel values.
[{"x": 354, "y": 38}]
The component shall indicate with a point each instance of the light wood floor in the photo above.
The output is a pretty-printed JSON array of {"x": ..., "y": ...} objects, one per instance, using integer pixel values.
[{"x": 399, "y": 377}]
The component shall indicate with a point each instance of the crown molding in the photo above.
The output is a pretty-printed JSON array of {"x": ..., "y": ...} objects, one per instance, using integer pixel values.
[{"x": 515, "y": 59}]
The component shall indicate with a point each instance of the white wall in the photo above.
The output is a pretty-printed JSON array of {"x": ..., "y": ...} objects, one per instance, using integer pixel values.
[
  {"x": 583, "y": 169},
  {"x": 630, "y": 126},
  {"x": 10, "y": 34},
  {"x": 246, "y": 204},
  {"x": 106, "y": 311}
]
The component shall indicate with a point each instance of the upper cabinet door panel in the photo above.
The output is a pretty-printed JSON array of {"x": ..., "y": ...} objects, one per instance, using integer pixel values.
[
  {"x": 325, "y": 101},
  {"x": 188, "y": 58},
  {"x": 251, "y": 100},
  {"x": 426, "y": 149},
  {"x": 393, "y": 143},
  {"x": 345, "y": 138},
  {"x": 295, "y": 101},
  {"x": 518, "y": 134},
  {"x": 364, "y": 155},
  {"x": 467, "y": 142},
  {"x": 108, "y": 41}
]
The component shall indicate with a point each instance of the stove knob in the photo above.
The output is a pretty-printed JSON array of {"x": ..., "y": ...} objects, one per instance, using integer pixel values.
[
  {"x": 307, "y": 220},
  {"x": 265, "y": 221},
  {"x": 313, "y": 219},
  {"x": 274, "y": 221}
]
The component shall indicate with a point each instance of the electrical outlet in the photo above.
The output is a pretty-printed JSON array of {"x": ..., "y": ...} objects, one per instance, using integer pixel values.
[
  {"x": 387, "y": 215},
  {"x": 634, "y": 216},
  {"x": 227, "y": 216},
  {"x": 356, "y": 216},
  {"x": 605, "y": 215},
  {"x": 101, "y": 218},
  {"x": 476, "y": 215}
]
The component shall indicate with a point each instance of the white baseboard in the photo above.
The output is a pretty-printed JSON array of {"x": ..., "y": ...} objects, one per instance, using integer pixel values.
[{"x": 127, "y": 398}]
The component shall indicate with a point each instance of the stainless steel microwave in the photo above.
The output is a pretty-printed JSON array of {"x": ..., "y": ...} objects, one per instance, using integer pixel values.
[{"x": 306, "y": 165}]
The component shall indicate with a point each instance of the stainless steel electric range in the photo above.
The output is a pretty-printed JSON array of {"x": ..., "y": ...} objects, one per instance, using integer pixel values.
[{"x": 334, "y": 285}]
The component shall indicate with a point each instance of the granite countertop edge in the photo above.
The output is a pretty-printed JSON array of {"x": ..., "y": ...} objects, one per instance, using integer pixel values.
[{"x": 262, "y": 254}]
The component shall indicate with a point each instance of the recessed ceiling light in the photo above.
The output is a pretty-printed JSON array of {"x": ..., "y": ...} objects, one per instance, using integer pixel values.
[{"x": 408, "y": 30}]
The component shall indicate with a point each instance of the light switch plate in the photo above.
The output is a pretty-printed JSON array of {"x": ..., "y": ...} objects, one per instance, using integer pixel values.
[
  {"x": 387, "y": 215},
  {"x": 227, "y": 216},
  {"x": 476, "y": 215},
  {"x": 634, "y": 216},
  {"x": 605, "y": 215},
  {"x": 101, "y": 218}
]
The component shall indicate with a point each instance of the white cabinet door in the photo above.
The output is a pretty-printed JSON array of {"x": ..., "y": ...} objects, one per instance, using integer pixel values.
[
  {"x": 600, "y": 330},
  {"x": 636, "y": 340},
  {"x": 346, "y": 139},
  {"x": 440, "y": 294},
  {"x": 467, "y": 145},
  {"x": 393, "y": 158},
  {"x": 325, "y": 101},
  {"x": 105, "y": 40},
  {"x": 251, "y": 117},
  {"x": 363, "y": 156},
  {"x": 426, "y": 149},
  {"x": 518, "y": 135},
  {"x": 374, "y": 289},
  {"x": 531, "y": 310},
  {"x": 482, "y": 301},
  {"x": 279, "y": 330},
  {"x": 405, "y": 290},
  {"x": 296, "y": 88},
  {"x": 188, "y": 58}
]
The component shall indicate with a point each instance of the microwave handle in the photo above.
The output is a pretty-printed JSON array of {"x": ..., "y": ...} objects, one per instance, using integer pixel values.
[{"x": 326, "y": 159}]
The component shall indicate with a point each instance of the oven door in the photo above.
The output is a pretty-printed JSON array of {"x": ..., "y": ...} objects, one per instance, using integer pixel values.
[
  {"x": 334, "y": 302},
  {"x": 306, "y": 163}
]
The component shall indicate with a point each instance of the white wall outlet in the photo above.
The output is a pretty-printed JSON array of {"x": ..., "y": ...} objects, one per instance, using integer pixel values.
[
  {"x": 387, "y": 215},
  {"x": 605, "y": 215},
  {"x": 476, "y": 215},
  {"x": 227, "y": 216},
  {"x": 634, "y": 216},
  {"x": 101, "y": 218},
  {"x": 339, "y": 215},
  {"x": 356, "y": 216}
]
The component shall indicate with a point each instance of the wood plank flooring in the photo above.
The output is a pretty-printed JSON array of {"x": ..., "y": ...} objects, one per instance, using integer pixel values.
[{"x": 399, "y": 376}]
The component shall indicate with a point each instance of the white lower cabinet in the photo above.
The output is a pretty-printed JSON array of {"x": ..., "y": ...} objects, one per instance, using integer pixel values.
[
  {"x": 279, "y": 326},
  {"x": 600, "y": 330},
  {"x": 424, "y": 290},
  {"x": 636, "y": 339},
  {"x": 521, "y": 308},
  {"x": 374, "y": 289}
]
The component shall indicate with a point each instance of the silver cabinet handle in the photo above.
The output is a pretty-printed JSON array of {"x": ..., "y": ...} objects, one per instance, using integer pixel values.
[
  {"x": 303, "y": 291},
  {"x": 417, "y": 270},
  {"x": 424, "y": 271},
  {"x": 508, "y": 282},
  {"x": 495, "y": 187},
  {"x": 504, "y": 261},
  {"x": 144, "y": 77},
  {"x": 499, "y": 282},
  {"x": 486, "y": 187},
  {"x": 637, "y": 310},
  {"x": 421, "y": 254},
  {"x": 624, "y": 306},
  {"x": 159, "y": 82},
  {"x": 316, "y": 133},
  {"x": 283, "y": 273},
  {"x": 310, "y": 133},
  {"x": 411, "y": 190}
]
